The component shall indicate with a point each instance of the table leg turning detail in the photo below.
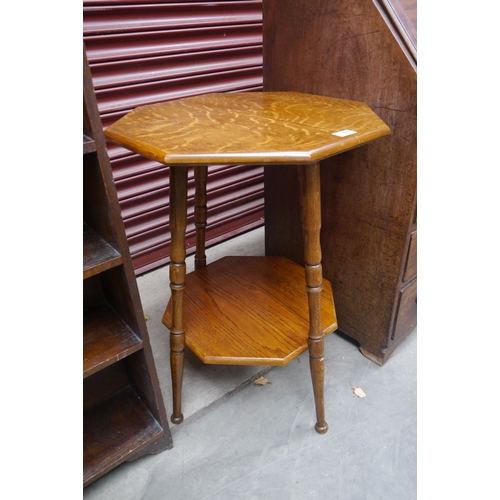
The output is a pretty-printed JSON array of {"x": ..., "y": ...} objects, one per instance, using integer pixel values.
[
  {"x": 178, "y": 223},
  {"x": 310, "y": 201},
  {"x": 200, "y": 213}
]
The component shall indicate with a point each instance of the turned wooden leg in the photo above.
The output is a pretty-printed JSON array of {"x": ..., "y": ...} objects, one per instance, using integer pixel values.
[
  {"x": 178, "y": 221},
  {"x": 310, "y": 200},
  {"x": 200, "y": 214}
]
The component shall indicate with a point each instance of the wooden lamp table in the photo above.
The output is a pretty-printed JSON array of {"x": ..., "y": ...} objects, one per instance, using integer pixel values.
[{"x": 247, "y": 310}]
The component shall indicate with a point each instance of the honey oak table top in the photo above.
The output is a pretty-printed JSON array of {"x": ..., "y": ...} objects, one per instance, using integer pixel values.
[{"x": 247, "y": 127}]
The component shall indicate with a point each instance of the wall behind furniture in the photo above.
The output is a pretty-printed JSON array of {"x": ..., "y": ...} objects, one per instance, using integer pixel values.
[{"x": 142, "y": 52}]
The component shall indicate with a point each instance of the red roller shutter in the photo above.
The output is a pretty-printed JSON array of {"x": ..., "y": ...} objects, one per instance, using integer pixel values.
[{"x": 146, "y": 52}]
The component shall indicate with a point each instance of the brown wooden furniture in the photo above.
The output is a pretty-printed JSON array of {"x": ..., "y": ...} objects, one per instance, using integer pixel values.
[
  {"x": 363, "y": 50},
  {"x": 124, "y": 415},
  {"x": 247, "y": 310}
]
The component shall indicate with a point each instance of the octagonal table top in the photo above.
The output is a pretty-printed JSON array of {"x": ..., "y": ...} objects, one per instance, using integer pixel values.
[{"x": 247, "y": 127}]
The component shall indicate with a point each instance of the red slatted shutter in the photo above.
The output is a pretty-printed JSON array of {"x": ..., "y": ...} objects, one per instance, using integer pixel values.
[{"x": 146, "y": 52}]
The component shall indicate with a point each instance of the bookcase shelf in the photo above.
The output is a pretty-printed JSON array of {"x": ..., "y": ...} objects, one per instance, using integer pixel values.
[
  {"x": 114, "y": 430},
  {"x": 124, "y": 415},
  {"x": 98, "y": 254},
  {"x": 106, "y": 339}
]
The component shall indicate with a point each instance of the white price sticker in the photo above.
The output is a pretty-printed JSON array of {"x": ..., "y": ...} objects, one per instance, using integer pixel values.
[{"x": 344, "y": 133}]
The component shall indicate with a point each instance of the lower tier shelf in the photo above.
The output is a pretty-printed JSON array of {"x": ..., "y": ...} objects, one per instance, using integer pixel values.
[
  {"x": 250, "y": 311},
  {"x": 116, "y": 430}
]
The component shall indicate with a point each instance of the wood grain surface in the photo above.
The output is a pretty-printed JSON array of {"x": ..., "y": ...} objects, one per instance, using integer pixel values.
[
  {"x": 115, "y": 430},
  {"x": 249, "y": 127},
  {"x": 250, "y": 311},
  {"x": 106, "y": 339},
  {"x": 98, "y": 254}
]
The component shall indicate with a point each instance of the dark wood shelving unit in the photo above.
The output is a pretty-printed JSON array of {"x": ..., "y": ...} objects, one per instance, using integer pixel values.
[{"x": 124, "y": 414}]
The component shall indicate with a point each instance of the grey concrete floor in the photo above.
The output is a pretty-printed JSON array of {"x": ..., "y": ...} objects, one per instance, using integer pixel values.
[{"x": 242, "y": 440}]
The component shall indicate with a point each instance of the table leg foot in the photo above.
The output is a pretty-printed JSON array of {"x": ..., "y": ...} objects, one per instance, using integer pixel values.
[
  {"x": 321, "y": 429},
  {"x": 177, "y": 420}
]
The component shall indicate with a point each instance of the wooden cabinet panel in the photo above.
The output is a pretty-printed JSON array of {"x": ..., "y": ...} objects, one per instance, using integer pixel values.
[
  {"x": 406, "y": 318},
  {"x": 411, "y": 261}
]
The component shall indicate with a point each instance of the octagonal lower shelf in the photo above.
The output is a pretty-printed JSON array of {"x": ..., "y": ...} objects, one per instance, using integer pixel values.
[{"x": 250, "y": 311}]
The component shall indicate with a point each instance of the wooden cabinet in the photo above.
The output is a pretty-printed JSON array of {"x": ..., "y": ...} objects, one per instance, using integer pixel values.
[
  {"x": 124, "y": 415},
  {"x": 364, "y": 51}
]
